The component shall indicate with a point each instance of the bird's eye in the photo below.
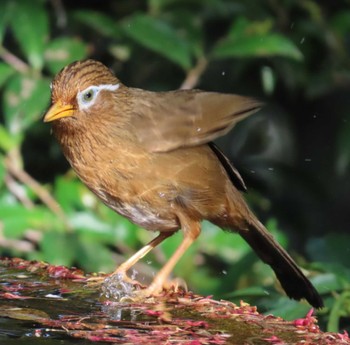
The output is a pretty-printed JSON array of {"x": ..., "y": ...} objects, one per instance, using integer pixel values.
[{"x": 88, "y": 95}]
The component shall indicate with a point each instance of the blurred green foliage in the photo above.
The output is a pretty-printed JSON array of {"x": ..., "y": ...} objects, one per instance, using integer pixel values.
[{"x": 294, "y": 155}]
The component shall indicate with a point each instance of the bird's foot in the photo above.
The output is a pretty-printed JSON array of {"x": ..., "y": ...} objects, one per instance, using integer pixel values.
[
  {"x": 120, "y": 287},
  {"x": 159, "y": 288},
  {"x": 175, "y": 285}
]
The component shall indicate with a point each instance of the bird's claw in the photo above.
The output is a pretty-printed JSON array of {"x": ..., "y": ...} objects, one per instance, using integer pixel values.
[{"x": 159, "y": 288}]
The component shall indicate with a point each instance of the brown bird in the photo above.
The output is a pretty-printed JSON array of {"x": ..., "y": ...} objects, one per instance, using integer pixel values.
[{"x": 149, "y": 156}]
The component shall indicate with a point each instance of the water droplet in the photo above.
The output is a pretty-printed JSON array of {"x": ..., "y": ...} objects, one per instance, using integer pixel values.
[
  {"x": 224, "y": 272},
  {"x": 134, "y": 274},
  {"x": 21, "y": 276},
  {"x": 50, "y": 295},
  {"x": 302, "y": 40}
]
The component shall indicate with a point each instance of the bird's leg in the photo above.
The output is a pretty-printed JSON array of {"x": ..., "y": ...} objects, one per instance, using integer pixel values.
[
  {"x": 125, "y": 266},
  {"x": 191, "y": 230}
]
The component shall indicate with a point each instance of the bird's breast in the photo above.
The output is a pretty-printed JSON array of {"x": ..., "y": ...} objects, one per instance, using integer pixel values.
[{"x": 126, "y": 179}]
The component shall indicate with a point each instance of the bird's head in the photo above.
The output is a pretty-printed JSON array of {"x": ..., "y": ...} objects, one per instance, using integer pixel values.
[{"x": 78, "y": 91}]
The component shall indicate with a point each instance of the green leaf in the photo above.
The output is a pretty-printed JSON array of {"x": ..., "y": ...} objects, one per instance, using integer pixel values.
[
  {"x": 94, "y": 256},
  {"x": 68, "y": 193},
  {"x": 5, "y": 72},
  {"x": 25, "y": 99},
  {"x": 273, "y": 228},
  {"x": 242, "y": 27},
  {"x": 255, "y": 39},
  {"x": 8, "y": 141},
  {"x": 16, "y": 219},
  {"x": 2, "y": 169},
  {"x": 341, "y": 23},
  {"x": 92, "y": 227},
  {"x": 160, "y": 37},
  {"x": 326, "y": 283},
  {"x": 125, "y": 231},
  {"x": 338, "y": 310},
  {"x": 251, "y": 291},
  {"x": 169, "y": 244},
  {"x": 59, "y": 248},
  {"x": 62, "y": 51},
  {"x": 99, "y": 22},
  {"x": 258, "y": 46},
  {"x": 30, "y": 27},
  {"x": 232, "y": 247},
  {"x": 288, "y": 309}
]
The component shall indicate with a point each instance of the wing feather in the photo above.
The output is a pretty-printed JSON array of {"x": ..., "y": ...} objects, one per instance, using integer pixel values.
[{"x": 165, "y": 121}]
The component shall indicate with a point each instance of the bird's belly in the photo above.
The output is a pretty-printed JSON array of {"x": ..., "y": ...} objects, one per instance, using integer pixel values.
[
  {"x": 147, "y": 218},
  {"x": 140, "y": 213}
]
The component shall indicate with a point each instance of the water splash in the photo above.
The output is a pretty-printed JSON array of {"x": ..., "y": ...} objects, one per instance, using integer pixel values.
[{"x": 116, "y": 288}]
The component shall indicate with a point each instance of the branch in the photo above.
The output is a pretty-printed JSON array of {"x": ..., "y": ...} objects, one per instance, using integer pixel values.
[
  {"x": 17, "y": 190},
  {"x": 11, "y": 243},
  {"x": 13, "y": 60},
  {"x": 194, "y": 74},
  {"x": 60, "y": 13},
  {"x": 11, "y": 163}
]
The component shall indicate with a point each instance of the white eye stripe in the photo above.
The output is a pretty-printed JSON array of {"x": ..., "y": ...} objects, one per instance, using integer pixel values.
[
  {"x": 94, "y": 90},
  {"x": 108, "y": 87}
]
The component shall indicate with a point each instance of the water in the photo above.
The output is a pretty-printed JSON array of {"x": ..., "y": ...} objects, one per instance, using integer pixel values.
[
  {"x": 43, "y": 304},
  {"x": 116, "y": 289}
]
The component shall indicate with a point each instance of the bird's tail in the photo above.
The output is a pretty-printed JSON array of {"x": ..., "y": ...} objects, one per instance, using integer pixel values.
[{"x": 292, "y": 279}]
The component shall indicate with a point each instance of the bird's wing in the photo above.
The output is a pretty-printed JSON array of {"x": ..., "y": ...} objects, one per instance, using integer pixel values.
[{"x": 165, "y": 121}]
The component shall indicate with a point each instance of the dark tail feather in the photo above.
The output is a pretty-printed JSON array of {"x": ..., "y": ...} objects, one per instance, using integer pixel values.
[{"x": 293, "y": 281}]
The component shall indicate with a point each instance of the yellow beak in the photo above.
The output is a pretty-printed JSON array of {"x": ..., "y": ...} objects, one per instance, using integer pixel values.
[{"x": 57, "y": 111}]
